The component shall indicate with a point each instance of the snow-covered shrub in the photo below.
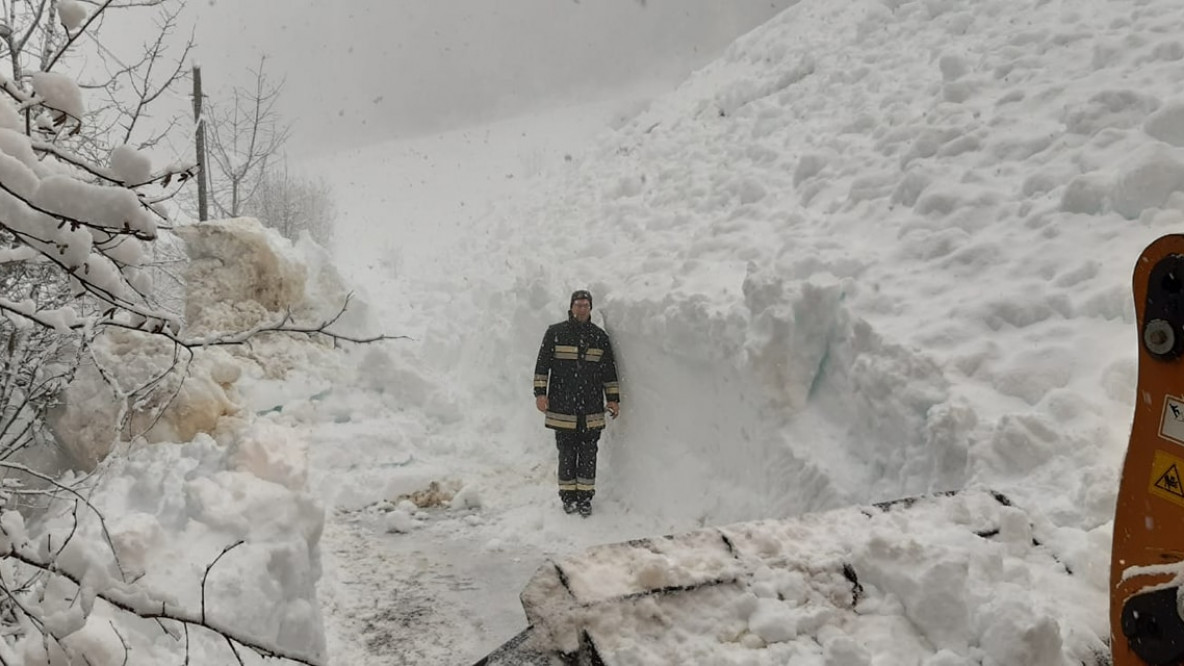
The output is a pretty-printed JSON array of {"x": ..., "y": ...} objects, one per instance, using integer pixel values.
[{"x": 83, "y": 216}]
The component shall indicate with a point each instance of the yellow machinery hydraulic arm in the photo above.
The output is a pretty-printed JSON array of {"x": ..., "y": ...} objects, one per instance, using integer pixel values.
[{"x": 1147, "y": 559}]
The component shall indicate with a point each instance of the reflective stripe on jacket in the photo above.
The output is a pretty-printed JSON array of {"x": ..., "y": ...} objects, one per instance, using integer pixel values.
[{"x": 577, "y": 372}]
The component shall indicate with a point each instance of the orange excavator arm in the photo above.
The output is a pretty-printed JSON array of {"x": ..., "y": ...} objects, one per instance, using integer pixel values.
[{"x": 1147, "y": 558}]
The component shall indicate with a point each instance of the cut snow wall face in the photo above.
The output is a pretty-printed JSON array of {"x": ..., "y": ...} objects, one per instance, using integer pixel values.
[
  {"x": 240, "y": 273},
  {"x": 778, "y": 406}
]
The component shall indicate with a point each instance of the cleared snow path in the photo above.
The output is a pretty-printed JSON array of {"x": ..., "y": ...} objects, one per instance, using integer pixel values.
[{"x": 438, "y": 584}]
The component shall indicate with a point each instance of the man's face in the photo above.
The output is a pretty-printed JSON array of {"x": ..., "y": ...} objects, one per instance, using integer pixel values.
[{"x": 581, "y": 309}]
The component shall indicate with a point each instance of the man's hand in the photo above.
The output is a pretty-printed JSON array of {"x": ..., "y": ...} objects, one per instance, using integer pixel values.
[
  {"x": 613, "y": 408},
  {"x": 541, "y": 403}
]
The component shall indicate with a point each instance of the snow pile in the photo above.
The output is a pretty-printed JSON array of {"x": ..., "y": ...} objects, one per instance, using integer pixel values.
[
  {"x": 945, "y": 580},
  {"x": 844, "y": 263},
  {"x": 205, "y": 502},
  {"x": 173, "y": 509},
  {"x": 243, "y": 275},
  {"x": 240, "y": 275},
  {"x": 152, "y": 395}
]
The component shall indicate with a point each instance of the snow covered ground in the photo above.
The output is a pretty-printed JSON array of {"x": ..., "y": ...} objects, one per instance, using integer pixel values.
[{"x": 878, "y": 249}]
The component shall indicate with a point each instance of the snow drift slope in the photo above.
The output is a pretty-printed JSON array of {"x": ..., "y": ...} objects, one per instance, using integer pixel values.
[
  {"x": 758, "y": 240},
  {"x": 876, "y": 249}
]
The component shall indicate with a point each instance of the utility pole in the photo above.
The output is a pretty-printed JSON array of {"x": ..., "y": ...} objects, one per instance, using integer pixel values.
[{"x": 202, "y": 205}]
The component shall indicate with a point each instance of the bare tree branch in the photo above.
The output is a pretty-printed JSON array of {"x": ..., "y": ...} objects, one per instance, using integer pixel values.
[
  {"x": 205, "y": 577},
  {"x": 244, "y": 136}
]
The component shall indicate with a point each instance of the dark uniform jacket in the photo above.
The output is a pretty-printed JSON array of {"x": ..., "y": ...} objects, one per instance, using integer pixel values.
[{"x": 577, "y": 373}]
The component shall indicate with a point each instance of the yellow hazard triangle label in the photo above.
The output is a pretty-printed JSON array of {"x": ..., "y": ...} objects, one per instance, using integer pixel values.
[{"x": 1165, "y": 477}]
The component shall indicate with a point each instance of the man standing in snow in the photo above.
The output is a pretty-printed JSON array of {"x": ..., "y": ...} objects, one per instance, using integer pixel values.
[{"x": 575, "y": 379}]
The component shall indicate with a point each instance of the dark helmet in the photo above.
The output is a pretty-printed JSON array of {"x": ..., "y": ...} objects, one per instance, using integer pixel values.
[{"x": 580, "y": 295}]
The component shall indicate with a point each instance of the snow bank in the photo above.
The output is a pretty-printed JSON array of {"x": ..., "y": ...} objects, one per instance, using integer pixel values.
[
  {"x": 164, "y": 397},
  {"x": 197, "y": 475},
  {"x": 832, "y": 282}
]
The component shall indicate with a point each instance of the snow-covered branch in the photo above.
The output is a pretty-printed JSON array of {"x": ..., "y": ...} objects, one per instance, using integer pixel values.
[
  {"x": 82, "y": 226},
  {"x": 134, "y": 601},
  {"x": 283, "y": 323}
]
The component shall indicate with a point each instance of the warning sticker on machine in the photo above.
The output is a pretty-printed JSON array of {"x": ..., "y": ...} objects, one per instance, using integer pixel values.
[
  {"x": 1172, "y": 424},
  {"x": 1166, "y": 481}
]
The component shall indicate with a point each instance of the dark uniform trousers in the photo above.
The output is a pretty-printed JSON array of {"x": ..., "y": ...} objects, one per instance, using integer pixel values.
[
  {"x": 577, "y": 464},
  {"x": 577, "y": 373}
]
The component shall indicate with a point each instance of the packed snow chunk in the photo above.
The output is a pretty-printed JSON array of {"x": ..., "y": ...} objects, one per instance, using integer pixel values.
[
  {"x": 59, "y": 92},
  {"x": 750, "y": 190},
  {"x": 930, "y": 581},
  {"x": 135, "y": 535},
  {"x": 130, "y": 165},
  {"x": 72, "y": 14},
  {"x": 1015, "y": 634},
  {"x": 1021, "y": 443},
  {"x": 381, "y": 369},
  {"x": 1147, "y": 180},
  {"x": 263, "y": 589},
  {"x": 809, "y": 165},
  {"x": 959, "y": 91},
  {"x": 794, "y": 325},
  {"x": 1168, "y": 51},
  {"x": 1120, "y": 109},
  {"x": 326, "y": 291},
  {"x": 953, "y": 67},
  {"x": 272, "y": 453},
  {"x": 1086, "y": 195},
  {"x": 910, "y": 187},
  {"x": 466, "y": 498},
  {"x": 85, "y": 425},
  {"x": 1167, "y": 124},
  {"x": 1032, "y": 373},
  {"x": 399, "y": 522},
  {"x": 627, "y": 186},
  {"x": 773, "y": 621},
  {"x": 301, "y": 629},
  {"x": 238, "y": 503},
  {"x": 240, "y": 274},
  {"x": 98, "y": 643},
  {"x": 845, "y": 651},
  {"x": 63, "y": 621}
]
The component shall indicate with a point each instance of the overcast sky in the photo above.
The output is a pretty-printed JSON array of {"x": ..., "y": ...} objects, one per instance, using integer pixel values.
[{"x": 379, "y": 69}]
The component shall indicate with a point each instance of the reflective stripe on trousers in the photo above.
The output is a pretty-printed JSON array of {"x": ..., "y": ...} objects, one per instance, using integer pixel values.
[{"x": 577, "y": 464}]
